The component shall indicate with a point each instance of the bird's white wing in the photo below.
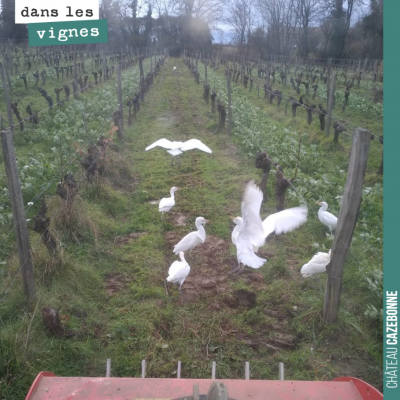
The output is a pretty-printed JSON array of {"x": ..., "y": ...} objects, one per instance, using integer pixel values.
[
  {"x": 285, "y": 221},
  {"x": 195, "y": 144},
  {"x": 165, "y": 143},
  {"x": 316, "y": 265},
  {"x": 173, "y": 270},
  {"x": 178, "y": 271},
  {"x": 245, "y": 253},
  {"x": 329, "y": 218},
  {"x": 166, "y": 202},
  {"x": 189, "y": 242},
  {"x": 252, "y": 223}
]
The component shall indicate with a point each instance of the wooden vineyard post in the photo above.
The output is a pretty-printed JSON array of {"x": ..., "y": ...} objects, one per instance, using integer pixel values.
[
  {"x": 346, "y": 222},
  {"x": 104, "y": 66},
  {"x": 121, "y": 108},
  {"x": 5, "y": 63},
  {"x": 75, "y": 71},
  {"x": 330, "y": 104},
  {"x": 365, "y": 67},
  {"x": 7, "y": 97},
  {"x": 141, "y": 67},
  {"x": 228, "y": 86},
  {"x": 328, "y": 80},
  {"x": 19, "y": 220}
]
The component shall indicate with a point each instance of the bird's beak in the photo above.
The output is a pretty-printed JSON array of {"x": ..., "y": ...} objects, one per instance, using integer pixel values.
[
  {"x": 318, "y": 202},
  {"x": 206, "y": 220},
  {"x": 232, "y": 218}
]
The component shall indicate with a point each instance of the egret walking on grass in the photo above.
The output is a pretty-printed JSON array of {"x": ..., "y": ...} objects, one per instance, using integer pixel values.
[
  {"x": 167, "y": 203},
  {"x": 179, "y": 271},
  {"x": 176, "y": 148},
  {"x": 326, "y": 217},
  {"x": 317, "y": 265},
  {"x": 191, "y": 240}
]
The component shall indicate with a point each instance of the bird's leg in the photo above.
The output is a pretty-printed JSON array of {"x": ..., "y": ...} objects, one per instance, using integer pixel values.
[
  {"x": 241, "y": 269},
  {"x": 237, "y": 269},
  {"x": 172, "y": 162},
  {"x": 179, "y": 162}
]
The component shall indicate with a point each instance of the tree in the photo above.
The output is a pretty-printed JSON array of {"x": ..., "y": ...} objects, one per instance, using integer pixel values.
[
  {"x": 208, "y": 10},
  {"x": 341, "y": 12},
  {"x": 307, "y": 12},
  {"x": 280, "y": 17},
  {"x": 372, "y": 25},
  {"x": 241, "y": 20},
  {"x": 8, "y": 28}
]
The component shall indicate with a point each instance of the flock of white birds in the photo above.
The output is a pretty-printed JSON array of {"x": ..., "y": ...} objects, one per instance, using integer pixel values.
[{"x": 250, "y": 232}]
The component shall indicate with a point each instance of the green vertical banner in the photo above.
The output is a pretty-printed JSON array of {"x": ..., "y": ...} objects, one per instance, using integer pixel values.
[
  {"x": 391, "y": 219},
  {"x": 68, "y": 32}
]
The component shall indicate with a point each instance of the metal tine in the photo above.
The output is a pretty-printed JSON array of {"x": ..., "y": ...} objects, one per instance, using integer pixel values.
[
  {"x": 178, "y": 375},
  {"x": 247, "y": 370},
  {"x": 108, "y": 368},
  {"x": 281, "y": 371},
  {"x": 213, "y": 369},
  {"x": 143, "y": 368}
]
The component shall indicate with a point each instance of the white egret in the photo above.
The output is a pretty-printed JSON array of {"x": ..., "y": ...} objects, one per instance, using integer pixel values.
[
  {"x": 317, "y": 265},
  {"x": 326, "y": 217},
  {"x": 191, "y": 240},
  {"x": 167, "y": 203},
  {"x": 249, "y": 232},
  {"x": 174, "y": 69},
  {"x": 176, "y": 148},
  {"x": 280, "y": 222},
  {"x": 178, "y": 271}
]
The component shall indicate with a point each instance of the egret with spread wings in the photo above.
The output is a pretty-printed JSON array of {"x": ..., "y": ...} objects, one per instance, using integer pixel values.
[
  {"x": 176, "y": 148},
  {"x": 249, "y": 233}
]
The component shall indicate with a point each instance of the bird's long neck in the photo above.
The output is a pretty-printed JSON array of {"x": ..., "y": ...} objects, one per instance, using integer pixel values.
[
  {"x": 201, "y": 231},
  {"x": 172, "y": 194},
  {"x": 182, "y": 256},
  {"x": 324, "y": 207}
]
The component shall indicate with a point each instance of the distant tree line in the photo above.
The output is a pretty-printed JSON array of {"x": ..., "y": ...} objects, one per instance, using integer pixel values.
[{"x": 317, "y": 28}]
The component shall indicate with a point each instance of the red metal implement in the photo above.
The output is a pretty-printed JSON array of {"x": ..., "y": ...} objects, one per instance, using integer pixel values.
[{"x": 49, "y": 387}]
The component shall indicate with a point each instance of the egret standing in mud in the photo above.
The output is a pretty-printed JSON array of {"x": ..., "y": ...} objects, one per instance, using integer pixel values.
[
  {"x": 179, "y": 271},
  {"x": 191, "y": 240}
]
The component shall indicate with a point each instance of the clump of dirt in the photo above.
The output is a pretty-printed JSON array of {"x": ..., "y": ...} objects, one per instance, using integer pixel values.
[
  {"x": 241, "y": 298},
  {"x": 114, "y": 283},
  {"x": 123, "y": 240},
  {"x": 179, "y": 219}
]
